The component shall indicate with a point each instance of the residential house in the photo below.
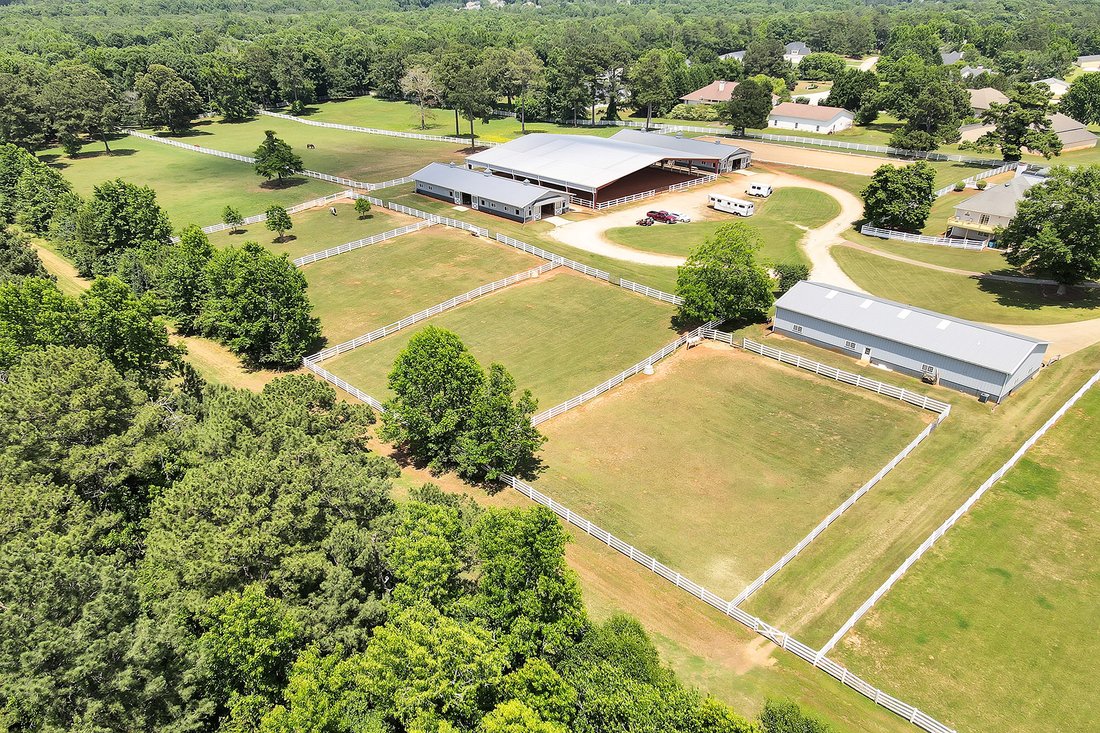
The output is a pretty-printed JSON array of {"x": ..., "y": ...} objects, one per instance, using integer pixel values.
[
  {"x": 950, "y": 57},
  {"x": 1089, "y": 63},
  {"x": 1073, "y": 134},
  {"x": 795, "y": 51},
  {"x": 969, "y": 72},
  {"x": 810, "y": 118},
  {"x": 1058, "y": 87},
  {"x": 979, "y": 216},
  {"x": 716, "y": 92},
  {"x": 739, "y": 55},
  {"x": 980, "y": 99}
]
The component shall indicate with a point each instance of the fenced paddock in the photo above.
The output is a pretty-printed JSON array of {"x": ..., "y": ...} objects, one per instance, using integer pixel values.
[
  {"x": 558, "y": 335},
  {"x": 369, "y": 287},
  {"x": 718, "y": 498},
  {"x": 953, "y": 242}
]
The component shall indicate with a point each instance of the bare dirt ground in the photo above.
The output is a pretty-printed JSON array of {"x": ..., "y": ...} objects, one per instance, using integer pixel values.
[{"x": 861, "y": 165}]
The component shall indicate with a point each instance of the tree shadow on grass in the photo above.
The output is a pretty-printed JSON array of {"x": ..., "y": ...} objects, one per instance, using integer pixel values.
[
  {"x": 61, "y": 162},
  {"x": 279, "y": 184},
  {"x": 1031, "y": 297},
  {"x": 190, "y": 132}
]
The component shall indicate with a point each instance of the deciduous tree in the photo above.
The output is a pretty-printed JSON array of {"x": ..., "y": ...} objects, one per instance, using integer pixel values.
[
  {"x": 118, "y": 217},
  {"x": 1082, "y": 101},
  {"x": 749, "y": 106},
  {"x": 275, "y": 158},
  {"x": 232, "y": 218},
  {"x": 278, "y": 220},
  {"x": 900, "y": 197},
  {"x": 166, "y": 99},
  {"x": 499, "y": 437},
  {"x": 722, "y": 279},
  {"x": 419, "y": 84}
]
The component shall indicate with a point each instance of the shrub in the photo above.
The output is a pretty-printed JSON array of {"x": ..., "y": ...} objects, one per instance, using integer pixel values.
[
  {"x": 960, "y": 186},
  {"x": 699, "y": 112},
  {"x": 982, "y": 185}
]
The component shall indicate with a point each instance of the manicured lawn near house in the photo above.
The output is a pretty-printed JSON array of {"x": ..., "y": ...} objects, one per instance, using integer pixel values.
[
  {"x": 965, "y": 297},
  {"x": 405, "y": 117},
  {"x": 722, "y": 461},
  {"x": 193, "y": 188},
  {"x": 357, "y": 292},
  {"x": 778, "y": 220},
  {"x": 356, "y": 155},
  {"x": 987, "y": 260},
  {"x": 317, "y": 229},
  {"x": 558, "y": 336},
  {"x": 1009, "y": 643}
]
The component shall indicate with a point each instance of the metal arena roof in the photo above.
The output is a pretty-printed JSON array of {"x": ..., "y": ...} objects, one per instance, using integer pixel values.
[
  {"x": 577, "y": 161},
  {"x": 695, "y": 149},
  {"x": 965, "y": 341},
  {"x": 485, "y": 185}
]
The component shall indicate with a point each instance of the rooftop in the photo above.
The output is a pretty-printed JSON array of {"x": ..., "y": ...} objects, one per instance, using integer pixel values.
[
  {"x": 797, "y": 47},
  {"x": 716, "y": 91},
  {"x": 981, "y": 98},
  {"x": 486, "y": 185},
  {"x": 950, "y": 57},
  {"x": 816, "y": 112},
  {"x": 999, "y": 200},
  {"x": 680, "y": 145},
  {"x": 973, "y": 343}
]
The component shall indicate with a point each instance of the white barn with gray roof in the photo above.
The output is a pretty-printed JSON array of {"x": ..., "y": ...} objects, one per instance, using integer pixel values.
[
  {"x": 519, "y": 200},
  {"x": 695, "y": 152},
  {"x": 963, "y": 355}
]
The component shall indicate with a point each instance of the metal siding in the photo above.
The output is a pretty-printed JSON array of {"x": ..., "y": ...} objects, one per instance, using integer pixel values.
[
  {"x": 962, "y": 375},
  {"x": 1032, "y": 364}
]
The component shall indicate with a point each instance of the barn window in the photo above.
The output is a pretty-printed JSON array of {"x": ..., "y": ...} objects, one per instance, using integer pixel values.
[
  {"x": 796, "y": 329},
  {"x": 850, "y": 344}
]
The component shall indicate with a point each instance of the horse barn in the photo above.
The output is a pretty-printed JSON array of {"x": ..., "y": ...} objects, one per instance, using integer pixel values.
[
  {"x": 959, "y": 354},
  {"x": 593, "y": 171},
  {"x": 521, "y": 201}
]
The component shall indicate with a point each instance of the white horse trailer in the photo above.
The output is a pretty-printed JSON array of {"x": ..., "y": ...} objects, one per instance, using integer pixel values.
[{"x": 731, "y": 205}]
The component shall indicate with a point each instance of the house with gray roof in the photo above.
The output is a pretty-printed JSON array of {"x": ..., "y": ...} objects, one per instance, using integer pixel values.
[
  {"x": 518, "y": 200},
  {"x": 795, "y": 51},
  {"x": 1073, "y": 135},
  {"x": 1089, "y": 63},
  {"x": 969, "y": 72},
  {"x": 979, "y": 216},
  {"x": 950, "y": 57},
  {"x": 739, "y": 55},
  {"x": 1058, "y": 87},
  {"x": 963, "y": 355}
]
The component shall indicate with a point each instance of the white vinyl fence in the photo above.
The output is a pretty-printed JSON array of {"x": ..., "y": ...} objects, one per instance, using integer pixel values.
[
  {"x": 351, "y": 389},
  {"x": 296, "y": 208},
  {"x": 435, "y": 310},
  {"x": 359, "y": 243},
  {"x": 710, "y": 178},
  {"x": 543, "y": 254},
  {"x": 1004, "y": 168},
  {"x": 954, "y": 242},
  {"x": 857, "y": 380},
  {"x": 950, "y": 521},
  {"x": 375, "y": 131},
  {"x": 619, "y": 378}
]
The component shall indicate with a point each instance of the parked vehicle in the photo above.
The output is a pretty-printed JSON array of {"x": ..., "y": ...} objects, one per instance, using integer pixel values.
[
  {"x": 762, "y": 190},
  {"x": 730, "y": 205},
  {"x": 662, "y": 216},
  {"x": 644, "y": 222},
  {"x": 680, "y": 217}
]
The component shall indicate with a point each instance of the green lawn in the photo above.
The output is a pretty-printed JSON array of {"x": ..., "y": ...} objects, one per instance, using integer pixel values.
[
  {"x": 853, "y": 183},
  {"x": 558, "y": 336},
  {"x": 965, "y": 297},
  {"x": 663, "y": 278},
  {"x": 1009, "y": 641},
  {"x": 317, "y": 229},
  {"x": 356, "y": 155},
  {"x": 356, "y": 292},
  {"x": 777, "y": 219},
  {"x": 405, "y": 117},
  {"x": 723, "y": 461},
  {"x": 193, "y": 188},
  {"x": 987, "y": 260}
]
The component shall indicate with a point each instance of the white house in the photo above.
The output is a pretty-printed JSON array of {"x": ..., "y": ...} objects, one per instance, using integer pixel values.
[
  {"x": 810, "y": 118},
  {"x": 969, "y": 72},
  {"x": 795, "y": 51},
  {"x": 1089, "y": 63},
  {"x": 980, "y": 215},
  {"x": 1058, "y": 87}
]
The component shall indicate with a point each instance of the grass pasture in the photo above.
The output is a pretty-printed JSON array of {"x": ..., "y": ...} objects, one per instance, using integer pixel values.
[
  {"x": 317, "y": 229},
  {"x": 780, "y": 220},
  {"x": 558, "y": 336},
  {"x": 192, "y": 187},
  {"x": 357, "y": 292},
  {"x": 965, "y": 297},
  {"x": 357, "y": 155},
  {"x": 1009, "y": 642},
  {"x": 987, "y": 260},
  {"x": 722, "y": 461}
]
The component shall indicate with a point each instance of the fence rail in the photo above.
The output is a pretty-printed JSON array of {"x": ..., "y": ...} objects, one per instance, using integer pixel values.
[
  {"x": 435, "y": 310},
  {"x": 1003, "y": 168},
  {"x": 954, "y": 242},
  {"x": 958, "y": 513},
  {"x": 857, "y": 380},
  {"x": 650, "y": 292},
  {"x": 257, "y": 218},
  {"x": 374, "y": 130},
  {"x": 543, "y": 254},
  {"x": 351, "y": 389},
  {"x": 359, "y": 243}
]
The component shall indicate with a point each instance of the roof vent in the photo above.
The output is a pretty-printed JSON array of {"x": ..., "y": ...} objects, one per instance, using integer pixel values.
[
  {"x": 942, "y": 325},
  {"x": 526, "y": 182},
  {"x": 903, "y": 314},
  {"x": 866, "y": 304},
  {"x": 486, "y": 172}
]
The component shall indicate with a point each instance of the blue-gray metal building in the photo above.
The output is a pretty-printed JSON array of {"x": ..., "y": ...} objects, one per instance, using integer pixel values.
[
  {"x": 960, "y": 354},
  {"x": 518, "y": 200}
]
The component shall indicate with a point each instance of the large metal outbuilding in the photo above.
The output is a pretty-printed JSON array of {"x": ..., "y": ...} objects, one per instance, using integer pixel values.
[
  {"x": 518, "y": 200},
  {"x": 963, "y": 355}
]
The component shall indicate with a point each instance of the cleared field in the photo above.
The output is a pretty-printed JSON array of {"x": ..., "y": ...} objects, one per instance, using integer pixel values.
[
  {"x": 193, "y": 188},
  {"x": 781, "y": 221},
  {"x": 317, "y": 229},
  {"x": 979, "y": 300},
  {"x": 558, "y": 336},
  {"x": 723, "y": 461},
  {"x": 356, "y": 292},
  {"x": 663, "y": 278},
  {"x": 405, "y": 117},
  {"x": 1009, "y": 641},
  {"x": 363, "y": 157},
  {"x": 853, "y": 183}
]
